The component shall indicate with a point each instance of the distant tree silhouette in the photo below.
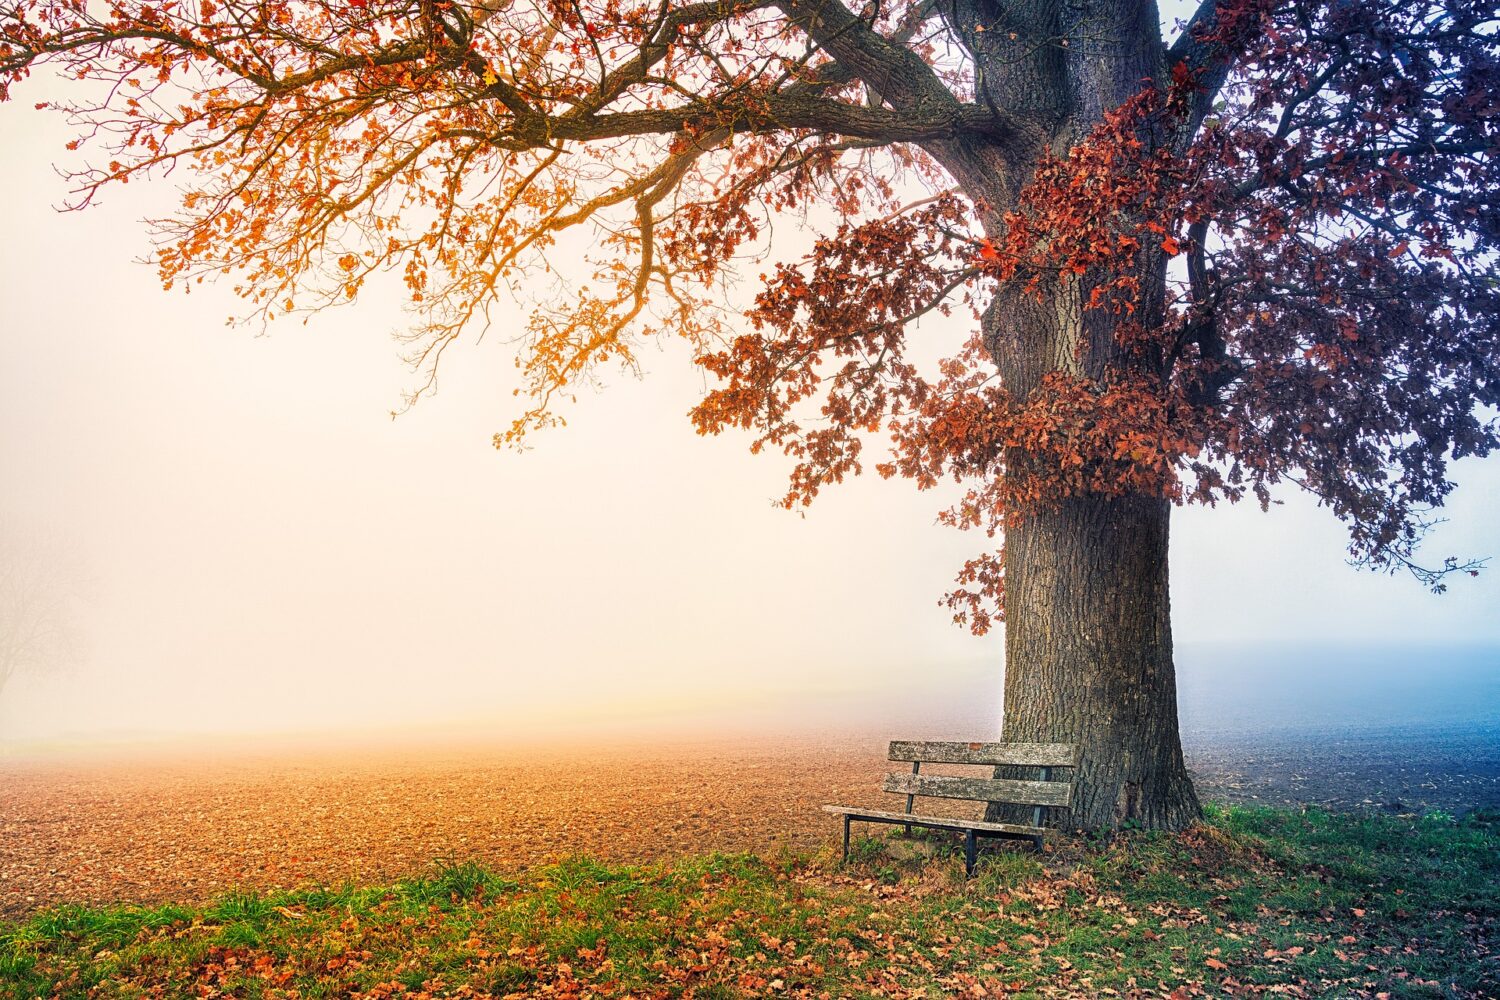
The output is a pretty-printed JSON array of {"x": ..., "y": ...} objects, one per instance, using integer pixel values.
[{"x": 42, "y": 590}]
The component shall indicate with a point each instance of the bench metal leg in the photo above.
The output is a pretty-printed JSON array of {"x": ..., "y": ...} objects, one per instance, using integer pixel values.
[
  {"x": 846, "y": 838},
  {"x": 916, "y": 768},
  {"x": 970, "y": 848},
  {"x": 1036, "y": 814}
]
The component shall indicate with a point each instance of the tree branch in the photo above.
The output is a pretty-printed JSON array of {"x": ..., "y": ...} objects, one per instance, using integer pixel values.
[{"x": 1208, "y": 46}]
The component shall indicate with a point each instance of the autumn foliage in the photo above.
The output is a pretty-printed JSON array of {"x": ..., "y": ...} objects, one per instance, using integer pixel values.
[{"x": 1280, "y": 255}]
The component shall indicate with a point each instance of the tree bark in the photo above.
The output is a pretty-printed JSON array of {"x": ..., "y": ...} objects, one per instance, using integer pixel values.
[
  {"x": 1088, "y": 633},
  {"x": 1088, "y": 653},
  {"x": 1088, "y": 636}
]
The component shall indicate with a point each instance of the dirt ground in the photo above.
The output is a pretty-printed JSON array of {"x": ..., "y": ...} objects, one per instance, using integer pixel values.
[
  {"x": 187, "y": 826},
  {"x": 1453, "y": 768},
  {"x": 153, "y": 828}
]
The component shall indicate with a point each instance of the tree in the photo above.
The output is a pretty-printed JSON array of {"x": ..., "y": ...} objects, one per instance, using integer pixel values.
[
  {"x": 40, "y": 588},
  {"x": 1259, "y": 251}
]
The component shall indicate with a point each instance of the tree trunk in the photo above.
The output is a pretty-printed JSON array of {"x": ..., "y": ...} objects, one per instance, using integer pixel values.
[
  {"x": 1088, "y": 637},
  {"x": 1088, "y": 652},
  {"x": 1088, "y": 634}
]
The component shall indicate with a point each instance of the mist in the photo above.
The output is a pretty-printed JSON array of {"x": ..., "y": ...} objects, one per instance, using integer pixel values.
[{"x": 270, "y": 552}]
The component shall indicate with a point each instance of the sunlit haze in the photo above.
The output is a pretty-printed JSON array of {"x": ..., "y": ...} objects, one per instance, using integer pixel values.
[{"x": 269, "y": 551}]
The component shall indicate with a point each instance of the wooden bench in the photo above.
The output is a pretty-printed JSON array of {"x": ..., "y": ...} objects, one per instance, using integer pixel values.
[{"x": 1044, "y": 793}]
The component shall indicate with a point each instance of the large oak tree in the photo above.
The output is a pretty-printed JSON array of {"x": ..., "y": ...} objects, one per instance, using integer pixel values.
[{"x": 1257, "y": 250}]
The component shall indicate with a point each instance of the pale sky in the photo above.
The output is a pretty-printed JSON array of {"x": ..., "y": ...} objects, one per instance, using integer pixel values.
[{"x": 271, "y": 551}]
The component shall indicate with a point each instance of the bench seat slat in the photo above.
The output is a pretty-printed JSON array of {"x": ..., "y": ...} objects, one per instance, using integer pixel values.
[
  {"x": 1022, "y": 754},
  {"x": 943, "y": 821},
  {"x": 1029, "y": 793}
]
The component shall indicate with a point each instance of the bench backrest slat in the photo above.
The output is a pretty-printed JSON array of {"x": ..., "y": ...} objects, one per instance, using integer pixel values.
[
  {"x": 1031, "y": 793},
  {"x": 1021, "y": 754}
]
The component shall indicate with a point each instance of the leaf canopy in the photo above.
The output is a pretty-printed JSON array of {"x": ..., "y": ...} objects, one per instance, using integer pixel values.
[{"x": 1283, "y": 248}]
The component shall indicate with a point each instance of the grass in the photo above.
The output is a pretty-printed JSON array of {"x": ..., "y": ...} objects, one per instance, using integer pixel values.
[{"x": 1252, "y": 902}]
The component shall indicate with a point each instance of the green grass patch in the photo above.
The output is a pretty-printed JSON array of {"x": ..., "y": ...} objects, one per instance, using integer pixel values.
[{"x": 1251, "y": 902}]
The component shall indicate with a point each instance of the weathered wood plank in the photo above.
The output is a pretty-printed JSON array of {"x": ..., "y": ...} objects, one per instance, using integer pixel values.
[
  {"x": 1030, "y": 793},
  {"x": 1025, "y": 754},
  {"x": 945, "y": 821}
]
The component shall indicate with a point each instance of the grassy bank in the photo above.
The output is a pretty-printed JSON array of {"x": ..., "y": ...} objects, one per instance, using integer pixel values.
[{"x": 1263, "y": 901}]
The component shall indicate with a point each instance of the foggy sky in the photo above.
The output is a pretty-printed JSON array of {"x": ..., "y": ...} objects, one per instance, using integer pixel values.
[{"x": 270, "y": 551}]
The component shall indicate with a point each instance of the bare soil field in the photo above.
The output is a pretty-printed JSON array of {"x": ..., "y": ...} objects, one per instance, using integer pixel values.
[
  {"x": 1398, "y": 769},
  {"x": 152, "y": 829},
  {"x": 169, "y": 826}
]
